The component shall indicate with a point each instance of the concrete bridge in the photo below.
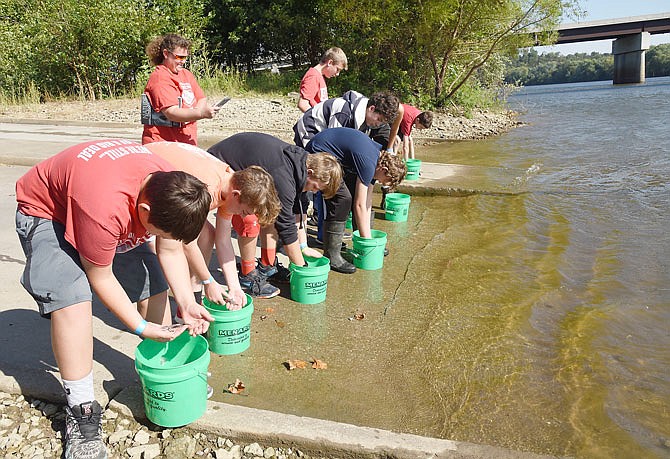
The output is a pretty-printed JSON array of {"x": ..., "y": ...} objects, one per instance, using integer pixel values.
[{"x": 631, "y": 39}]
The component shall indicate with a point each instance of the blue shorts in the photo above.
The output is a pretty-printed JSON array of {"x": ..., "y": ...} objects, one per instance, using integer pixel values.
[{"x": 55, "y": 278}]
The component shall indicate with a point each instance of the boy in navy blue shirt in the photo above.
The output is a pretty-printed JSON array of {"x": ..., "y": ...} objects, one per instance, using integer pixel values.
[{"x": 363, "y": 163}]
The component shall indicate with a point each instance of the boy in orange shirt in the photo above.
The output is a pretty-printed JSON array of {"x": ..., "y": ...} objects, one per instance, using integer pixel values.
[{"x": 250, "y": 191}]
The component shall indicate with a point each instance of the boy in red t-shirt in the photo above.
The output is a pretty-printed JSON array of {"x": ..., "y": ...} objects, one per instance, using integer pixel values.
[
  {"x": 313, "y": 85},
  {"x": 83, "y": 217},
  {"x": 408, "y": 117}
]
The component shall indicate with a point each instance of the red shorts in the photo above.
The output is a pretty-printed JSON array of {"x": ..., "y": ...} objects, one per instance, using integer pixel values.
[{"x": 247, "y": 226}]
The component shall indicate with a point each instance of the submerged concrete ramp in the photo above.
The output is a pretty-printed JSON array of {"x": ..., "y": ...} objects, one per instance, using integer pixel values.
[
  {"x": 464, "y": 180},
  {"x": 27, "y": 365}
]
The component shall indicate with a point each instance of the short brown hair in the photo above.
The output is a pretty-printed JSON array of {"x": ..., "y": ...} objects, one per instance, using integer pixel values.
[
  {"x": 386, "y": 104},
  {"x": 395, "y": 165},
  {"x": 258, "y": 191},
  {"x": 170, "y": 41},
  {"x": 336, "y": 55},
  {"x": 426, "y": 119},
  {"x": 179, "y": 204},
  {"x": 327, "y": 170}
]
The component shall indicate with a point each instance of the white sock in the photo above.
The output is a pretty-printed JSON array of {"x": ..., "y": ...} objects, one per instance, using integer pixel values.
[{"x": 80, "y": 391}]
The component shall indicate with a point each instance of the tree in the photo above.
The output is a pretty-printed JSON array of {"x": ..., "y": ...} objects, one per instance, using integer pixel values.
[
  {"x": 85, "y": 48},
  {"x": 439, "y": 45},
  {"x": 459, "y": 36},
  {"x": 658, "y": 60},
  {"x": 242, "y": 34}
]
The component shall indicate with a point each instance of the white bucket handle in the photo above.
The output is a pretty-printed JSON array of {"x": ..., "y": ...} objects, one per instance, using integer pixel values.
[{"x": 358, "y": 255}]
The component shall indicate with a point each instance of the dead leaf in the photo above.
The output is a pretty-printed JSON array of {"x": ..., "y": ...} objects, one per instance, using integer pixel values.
[
  {"x": 269, "y": 310},
  {"x": 280, "y": 324},
  {"x": 358, "y": 316},
  {"x": 319, "y": 364},
  {"x": 237, "y": 387},
  {"x": 293, "y": 364}
]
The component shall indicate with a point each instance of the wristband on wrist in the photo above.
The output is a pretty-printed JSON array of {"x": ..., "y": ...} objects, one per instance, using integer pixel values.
[
  {"x": 140, "y": 328},
  {"x": 208, "y": 281}
]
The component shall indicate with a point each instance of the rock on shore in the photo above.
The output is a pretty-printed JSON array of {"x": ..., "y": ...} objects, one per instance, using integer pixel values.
[
  {"x": 31, "y": 428},
  {"x": 275, "y": 116}
]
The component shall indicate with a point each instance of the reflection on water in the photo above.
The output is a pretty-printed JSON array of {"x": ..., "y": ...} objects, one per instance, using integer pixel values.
[{"x": 533, "y": 315}]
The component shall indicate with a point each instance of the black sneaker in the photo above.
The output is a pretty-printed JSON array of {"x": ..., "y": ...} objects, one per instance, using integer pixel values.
[
  {"x": 275, "y": 273},
  {"x": 83, "y": 432},
  {"x": 257, "y": 285}
]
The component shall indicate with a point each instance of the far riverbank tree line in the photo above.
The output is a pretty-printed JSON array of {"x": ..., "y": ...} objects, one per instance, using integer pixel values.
[
  {"x": 532, "y": 68},
  {"x": 431, "y": 53}
]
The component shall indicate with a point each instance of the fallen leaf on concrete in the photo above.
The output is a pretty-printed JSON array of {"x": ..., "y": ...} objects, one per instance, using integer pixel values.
[
  {"x": 293, "y": 364},
  {"x": 237, "y": 387},
  {"x": 319, "y": 364},
  {"x": 358, "y": 316},
  {"x": 269, "y": 310},
  {"x": 280, "y": 324}
]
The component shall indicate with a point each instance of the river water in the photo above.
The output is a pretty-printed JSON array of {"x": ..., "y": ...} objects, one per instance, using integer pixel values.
[{"x": 530, "y": 311}]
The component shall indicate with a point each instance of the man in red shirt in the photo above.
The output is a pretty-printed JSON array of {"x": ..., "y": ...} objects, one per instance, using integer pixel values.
[
  {"x": 173, "y": 94},
  {"x": 313, "y": 85},
  {"x": 83, "y": 218}
]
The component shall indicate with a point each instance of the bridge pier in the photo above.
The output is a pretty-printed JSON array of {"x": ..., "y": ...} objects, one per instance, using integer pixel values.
[{"x": 629, "y": 59}]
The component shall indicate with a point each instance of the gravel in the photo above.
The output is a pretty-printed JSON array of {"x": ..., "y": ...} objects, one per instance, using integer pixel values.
[
  {"x": 273, "y": 115},
  {"x": 32, "y": 428}
]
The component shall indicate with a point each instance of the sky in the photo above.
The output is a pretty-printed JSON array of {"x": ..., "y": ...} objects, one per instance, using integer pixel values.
[{"x": 610, "y": 9}]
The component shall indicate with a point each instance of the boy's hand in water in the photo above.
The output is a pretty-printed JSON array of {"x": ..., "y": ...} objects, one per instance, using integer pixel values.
[
  {"x": 215, "y": 292},
  {"x": 310, "y": 252},
  {"x": 236, "y": 299}
]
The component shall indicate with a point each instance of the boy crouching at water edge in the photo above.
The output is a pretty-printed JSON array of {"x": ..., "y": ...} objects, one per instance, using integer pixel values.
[
  {"x": 294, "y": 172},
  {"x": 363, "y": 164},
  {"x": 249, "y": 191},
  {"x": 83, "y": 218},
  {"x": 408, "y": 117}
]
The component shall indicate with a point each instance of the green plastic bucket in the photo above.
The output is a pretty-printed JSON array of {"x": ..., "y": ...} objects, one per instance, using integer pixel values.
[
  {"x": 230, "y": 333},
  {"x": 368, "y": 253},
  {"x": 397, "y": 207},
  {"x": 309, "y": 283},
  {"x": 174, "y": 379},
  {"x": 413, "y": 169},
  {"x": 349, "y": 224}
]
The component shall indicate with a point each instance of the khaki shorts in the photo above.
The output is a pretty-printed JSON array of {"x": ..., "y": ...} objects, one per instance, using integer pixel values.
[{"x": 55, "y": 278}]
